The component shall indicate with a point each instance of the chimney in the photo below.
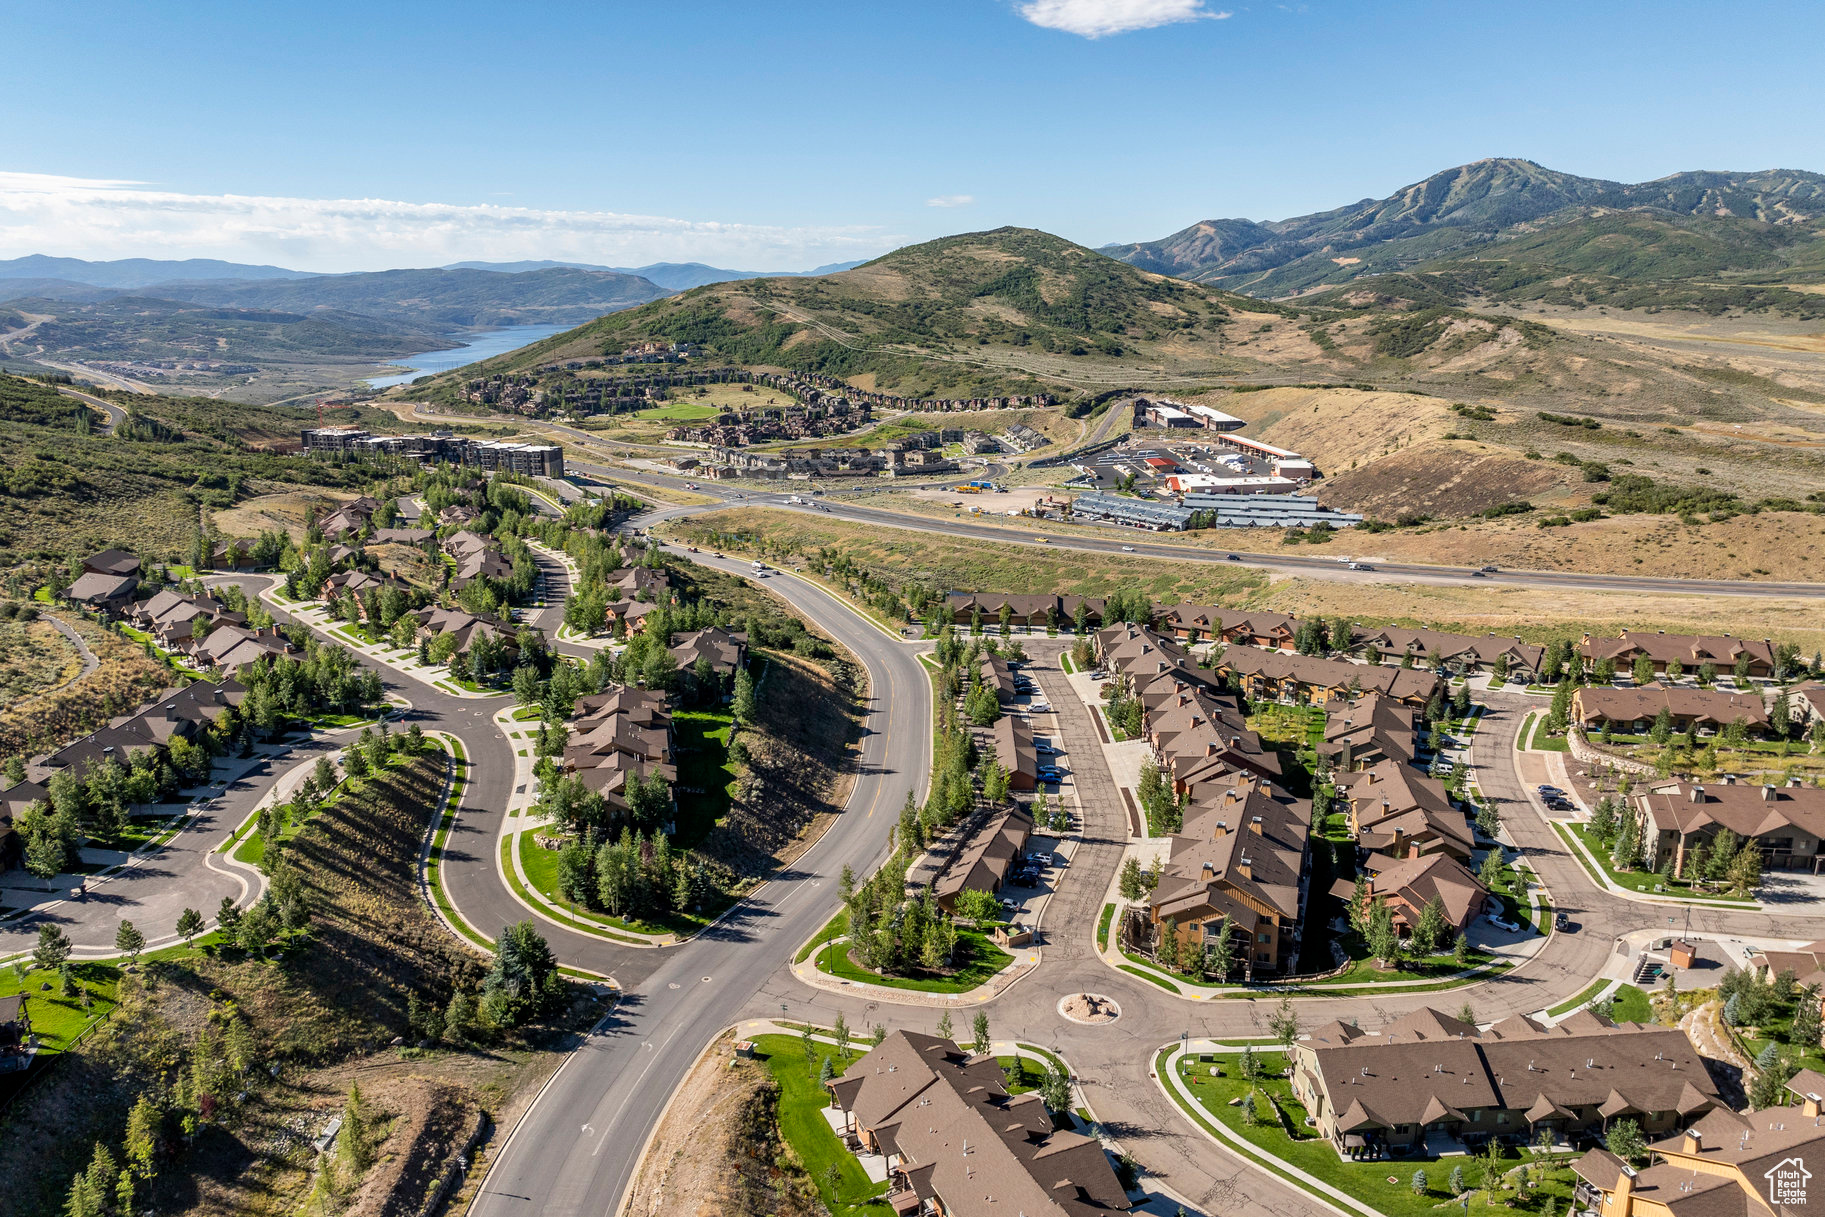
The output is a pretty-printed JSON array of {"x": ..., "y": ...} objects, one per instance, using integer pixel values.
[
  {"x": 1698, "y": 794},
  {"x": 1256, "y": 824},
  {"x": 1694, "y": 1141},
  {"x": 1768, "y": 794},
  {"x": 1729, "y": 779},
  {"x": 1221, "y": 829},
  {"x": 1794, "y": 783},
  {"x": 1246, "y": 868},
  {"x": 1624, "y": 1196},
  {"x": 1812, "y": 1105}
]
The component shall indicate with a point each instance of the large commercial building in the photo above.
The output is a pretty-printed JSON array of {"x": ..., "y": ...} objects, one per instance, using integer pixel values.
[{"x": 533, "y": 460}]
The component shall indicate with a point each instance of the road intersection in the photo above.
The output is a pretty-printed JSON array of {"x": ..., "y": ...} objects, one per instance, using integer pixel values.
[{"x": 577, "y": 1147}]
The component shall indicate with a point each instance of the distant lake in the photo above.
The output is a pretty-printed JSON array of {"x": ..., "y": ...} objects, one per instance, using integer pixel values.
[{"x": 485, "y": 344}]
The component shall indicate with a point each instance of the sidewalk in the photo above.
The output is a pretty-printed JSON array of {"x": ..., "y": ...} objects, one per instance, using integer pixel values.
[
  {"x": 1026, "y": 961},
  {"x": 520, "y": 821},
  {"x": 405, "y": 663}
]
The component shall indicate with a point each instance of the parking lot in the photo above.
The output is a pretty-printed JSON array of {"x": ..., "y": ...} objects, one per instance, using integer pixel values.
[
  {"x": 1026, "y": 891},
  {"x": 1150, "y": 461}
]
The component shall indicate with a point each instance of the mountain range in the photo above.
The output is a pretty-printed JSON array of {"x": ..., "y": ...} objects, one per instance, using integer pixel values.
[
  {"x": 1761, "y": 226},
  {"x": 137, "y": 274}
]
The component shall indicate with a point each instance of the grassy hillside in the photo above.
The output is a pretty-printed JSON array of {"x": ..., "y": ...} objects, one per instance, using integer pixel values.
[
  {"x": 1011, "y": 310},
  {"x": 64, "y": 487},
  {"x": 256, "y": 1049}
]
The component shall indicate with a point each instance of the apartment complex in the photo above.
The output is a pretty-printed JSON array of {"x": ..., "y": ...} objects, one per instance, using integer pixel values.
[
  {"x": 1726, "y": 1164},
  {"x": 532, "y": 460},
  {"x": 1242, "y": 862},
  {"x": 1786, "y": 823},
  {"x": 958, "y": 1145},
  {"x": 1275, "y": 676},
  {"x": 617, "y": 732},
  {"x": 1690, "y": 651},
  {"x": 1433, "y": 1081},
  {"x": 1635, "y": 708}
]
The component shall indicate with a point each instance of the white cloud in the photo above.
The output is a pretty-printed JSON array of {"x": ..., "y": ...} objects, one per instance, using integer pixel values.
[
  {"x": 1100, "y": 18},
  {"x": 951, "y": 200},
  {"x": 92, "y": 218}
]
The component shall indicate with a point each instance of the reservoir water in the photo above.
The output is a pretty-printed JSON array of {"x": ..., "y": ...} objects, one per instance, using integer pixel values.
[{"x": 485, "y": 344}]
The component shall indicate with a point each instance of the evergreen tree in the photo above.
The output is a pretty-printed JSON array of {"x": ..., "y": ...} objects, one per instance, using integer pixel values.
[
  {"x": 53, "y": 948},
  {"x": 129, "y": 941},
  {"x": 189, "y": 925}
]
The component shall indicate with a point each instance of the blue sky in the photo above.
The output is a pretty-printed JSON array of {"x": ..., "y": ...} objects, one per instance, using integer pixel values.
[{"x": 355, "y": 136}]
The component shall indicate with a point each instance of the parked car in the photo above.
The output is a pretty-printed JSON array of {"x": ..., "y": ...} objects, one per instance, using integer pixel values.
[
  {"x": 1545, "y": 789},
  {"x": 1500, "y": 923},
  {"x": 1039, "y": 707},
  {"x": 1361, "y": 566}
]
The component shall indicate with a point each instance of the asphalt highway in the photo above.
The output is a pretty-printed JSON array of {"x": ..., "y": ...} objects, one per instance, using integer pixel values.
[
  {"x": 576, "y": 1148},
  {"x": 1114, "y": 541}
]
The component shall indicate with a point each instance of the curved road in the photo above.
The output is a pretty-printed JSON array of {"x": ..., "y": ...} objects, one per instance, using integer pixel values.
[{"x": 576, "y": 1148}]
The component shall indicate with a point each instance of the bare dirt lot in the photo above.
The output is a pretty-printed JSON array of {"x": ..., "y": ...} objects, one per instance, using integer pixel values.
[
  {"x": 994, "y": 502},
  {"x": 287, "y": 512},
  {"x": 705, "y": 1155}
]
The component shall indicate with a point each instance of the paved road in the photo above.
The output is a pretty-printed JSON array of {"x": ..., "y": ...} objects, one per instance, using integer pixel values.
[
  {"x": 1112, "y": 1062},
  {"x": 575, "y": 1150},
  {"x": 116, "y": 415},
  {"x": 1113, "y": 541}
]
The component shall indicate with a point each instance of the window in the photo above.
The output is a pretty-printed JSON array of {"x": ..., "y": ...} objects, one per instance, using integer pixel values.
[{"x": 1261, "y": 937}]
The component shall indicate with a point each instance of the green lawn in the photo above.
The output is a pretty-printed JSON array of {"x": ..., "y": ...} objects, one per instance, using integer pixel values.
[
  {"x": 834, "y": 928},
  {"x": 682, "y": 412},
  {"x": 144, "y": 829},
  {"x": 541, "y": 867},
  {"x": 1639, "y": 880},
  {"x": 1150, "y": 977},
  {"x": 706, "y": 778},
  {"x": 58, "y": 1019},
  {"x": 1630, "y": 1005},
  {"x": 976, "y": 959},
  {"x": 1542, "y": 742},
  {"x": 1572, "y": 1003},
  {"x": 1300, "y": 726},
  {"x": 1283, "y": 1135},
  {"x": 803, "y": 1128},
  {"x": 1102, "y": 927}
]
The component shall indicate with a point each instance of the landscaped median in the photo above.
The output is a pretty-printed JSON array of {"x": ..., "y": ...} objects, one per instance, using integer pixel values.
[
  {"x": 431, "y": 861},
  {"x": 1212, "y": 1093},
  {"x": 1651, "y": 886},
  {"x": 975, "y": 962}
]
